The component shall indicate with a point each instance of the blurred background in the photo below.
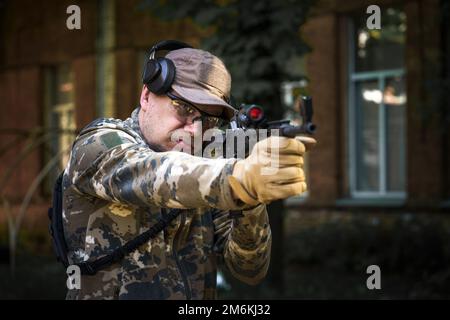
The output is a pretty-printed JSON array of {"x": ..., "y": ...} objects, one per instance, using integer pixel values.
[{"x": 379, "y": 182}]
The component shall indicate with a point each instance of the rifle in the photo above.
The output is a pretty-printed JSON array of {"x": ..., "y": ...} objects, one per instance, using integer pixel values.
[{"x": 252, "y": 116}]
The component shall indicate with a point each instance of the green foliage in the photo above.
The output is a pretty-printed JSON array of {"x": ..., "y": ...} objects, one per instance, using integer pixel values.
[{"x": 256, "y": 39}]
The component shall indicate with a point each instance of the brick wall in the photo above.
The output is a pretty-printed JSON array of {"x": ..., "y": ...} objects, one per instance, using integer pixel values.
[
  {"x": 36, "y": 37},
  {"x": 20, "y": 100},
  {"x": 36, "y": 32},
  {"x": 424, "y": 135},
  {"x": 322, "y": 68}
]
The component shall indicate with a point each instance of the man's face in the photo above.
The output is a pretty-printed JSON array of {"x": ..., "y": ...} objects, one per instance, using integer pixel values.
[{"x": 163, "y": 125}]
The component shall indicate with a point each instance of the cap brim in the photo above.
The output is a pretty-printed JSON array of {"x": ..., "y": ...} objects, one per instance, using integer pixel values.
[{"x": 200, "y": 98}]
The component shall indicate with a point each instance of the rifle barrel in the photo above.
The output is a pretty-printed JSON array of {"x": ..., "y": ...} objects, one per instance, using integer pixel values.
[{"x": 293, "y": 131}]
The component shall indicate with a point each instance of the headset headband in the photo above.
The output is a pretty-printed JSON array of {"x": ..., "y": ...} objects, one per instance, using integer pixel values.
[{"x": 167, "y": 45}]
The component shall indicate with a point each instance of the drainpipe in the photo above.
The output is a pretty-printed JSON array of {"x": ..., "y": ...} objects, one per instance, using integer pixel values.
[{"x": 105, "y": 59}]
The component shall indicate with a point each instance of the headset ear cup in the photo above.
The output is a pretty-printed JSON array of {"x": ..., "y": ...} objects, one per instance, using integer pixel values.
[
  {"x": 168, "y": 71},
  {"x": 159, "y": 73},
  {"x": 162, "y": 83},
  {"x": 152, "y": 70}
]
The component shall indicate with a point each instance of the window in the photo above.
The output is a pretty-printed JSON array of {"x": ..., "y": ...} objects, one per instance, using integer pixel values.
[
  {"x": 60, "y": 117},
  {"x": 377, "y": 102}
]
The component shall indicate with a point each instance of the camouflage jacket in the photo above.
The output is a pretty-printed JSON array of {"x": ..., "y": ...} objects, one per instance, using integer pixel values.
[{"x": 115, "y": 187}]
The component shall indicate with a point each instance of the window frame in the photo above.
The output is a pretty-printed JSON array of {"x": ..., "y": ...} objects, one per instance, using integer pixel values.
[
  {"x": 352, "y": 79},
  {"x": 54, "y": 110}
]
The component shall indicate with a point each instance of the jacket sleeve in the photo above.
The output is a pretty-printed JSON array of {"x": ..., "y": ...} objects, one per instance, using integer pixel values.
[
  {"x": 245, "y": 242},
  {"x": 110, "y": 164}
]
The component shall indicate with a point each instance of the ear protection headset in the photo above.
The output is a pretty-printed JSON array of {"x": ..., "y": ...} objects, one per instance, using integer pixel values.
[{"x": 159, "y": 73}]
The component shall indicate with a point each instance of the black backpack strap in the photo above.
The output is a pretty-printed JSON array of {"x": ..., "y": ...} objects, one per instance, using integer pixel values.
[
  {"x": 56, "y": 227},
  {"x": 92, "y": 267}
]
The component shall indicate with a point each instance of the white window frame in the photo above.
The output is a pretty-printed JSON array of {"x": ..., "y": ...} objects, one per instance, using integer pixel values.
[{"x": 353, "y": 78}]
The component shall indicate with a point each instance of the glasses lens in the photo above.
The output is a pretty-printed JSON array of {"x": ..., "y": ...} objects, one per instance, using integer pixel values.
[
  {"x": 188, "y": 113},
  {"x": 183, "y": 110}
]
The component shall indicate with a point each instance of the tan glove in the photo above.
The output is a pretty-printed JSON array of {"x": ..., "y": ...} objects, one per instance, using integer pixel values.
[{"x": 272, "y": 171}]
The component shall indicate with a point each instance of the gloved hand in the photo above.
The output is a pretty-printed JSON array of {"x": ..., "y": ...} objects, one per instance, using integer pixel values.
[{"x": 272, "y": 171}]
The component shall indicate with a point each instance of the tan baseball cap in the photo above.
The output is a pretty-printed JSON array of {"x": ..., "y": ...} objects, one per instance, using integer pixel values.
[{"x": 202, "y": 79}]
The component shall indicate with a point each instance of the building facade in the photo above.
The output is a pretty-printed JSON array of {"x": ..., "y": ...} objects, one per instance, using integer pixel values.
[{"x": 380, "y": 98}]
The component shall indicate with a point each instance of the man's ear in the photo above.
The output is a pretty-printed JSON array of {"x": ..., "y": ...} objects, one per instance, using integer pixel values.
[{"x": 145, "y": 98}]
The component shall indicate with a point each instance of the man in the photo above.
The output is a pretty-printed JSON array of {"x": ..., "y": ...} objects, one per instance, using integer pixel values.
[{"x": 123, "y": 177}]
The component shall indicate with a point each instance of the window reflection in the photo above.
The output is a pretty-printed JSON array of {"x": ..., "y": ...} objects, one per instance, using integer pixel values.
[
  {"x": 367, "y": 153},
  {"x": 380, "y": 49},
  {"x": 378, "y": 104},
  {"x": 62, "y": 111},
  {"x": 394, "y": 94},
  {"x": 394, "y": 99}
]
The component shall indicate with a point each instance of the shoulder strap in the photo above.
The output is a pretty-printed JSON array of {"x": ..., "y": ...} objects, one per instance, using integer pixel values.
[
  {"x": 56, "y": 227},
  {"x": 92, "y": 267}
]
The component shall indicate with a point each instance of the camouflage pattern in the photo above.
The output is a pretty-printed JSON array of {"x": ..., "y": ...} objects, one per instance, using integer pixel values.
[{"x": 116, "y": 187}]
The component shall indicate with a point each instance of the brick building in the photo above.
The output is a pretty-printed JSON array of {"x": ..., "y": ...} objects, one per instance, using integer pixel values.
[
  {"x": 379, "y": 95},
  {"x": 379, "y": 148},
  {"x": 53, "y": 77}
]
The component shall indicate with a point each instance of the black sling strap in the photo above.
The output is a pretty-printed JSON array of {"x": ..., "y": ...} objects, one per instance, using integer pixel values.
[
  {"x": 56, "y": 227},
  {"x": 92, "y": 267}
]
